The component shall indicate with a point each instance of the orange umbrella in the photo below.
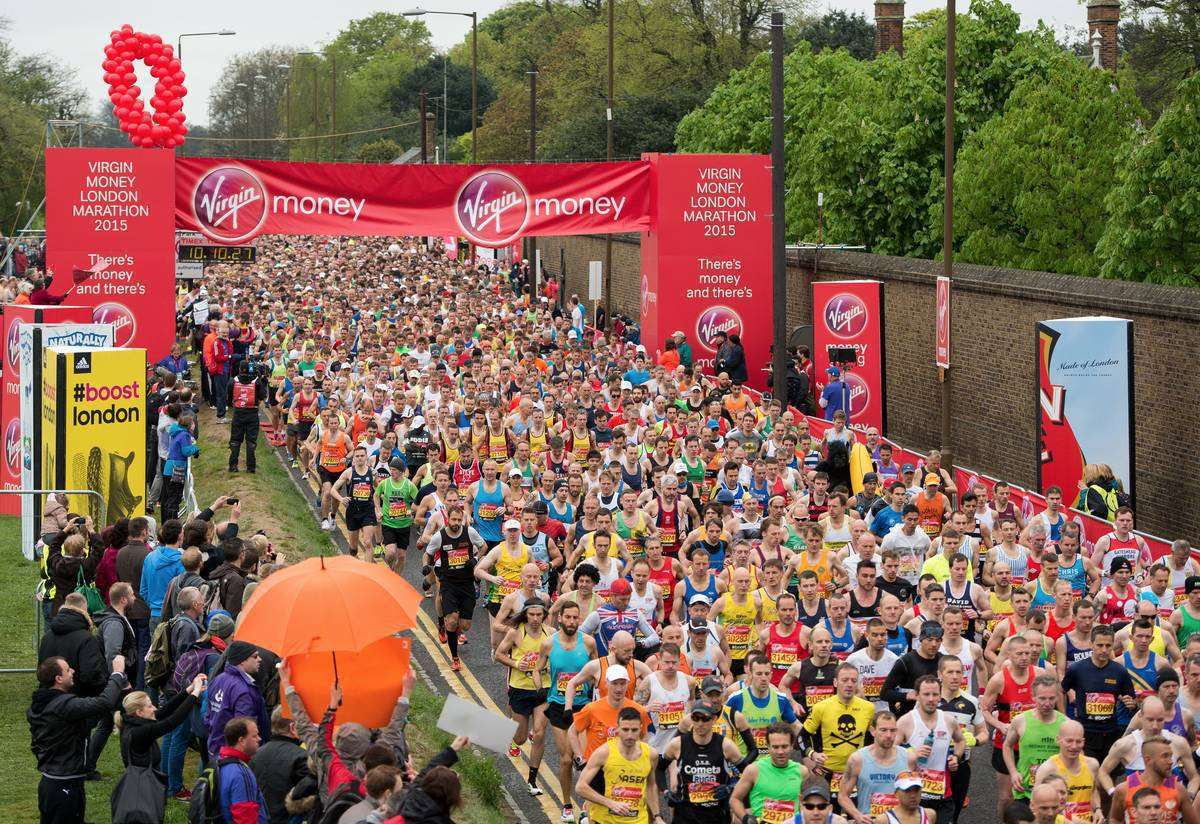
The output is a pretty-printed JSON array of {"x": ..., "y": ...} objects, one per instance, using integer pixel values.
[
  {"x": 371, "y": 681},
  {"x": 336, "y": 604}
]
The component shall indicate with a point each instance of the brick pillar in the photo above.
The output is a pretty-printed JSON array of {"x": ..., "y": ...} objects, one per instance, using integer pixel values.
[
  {"x": 1103, "y": 17},
  {"x": 889, "y": 27}
]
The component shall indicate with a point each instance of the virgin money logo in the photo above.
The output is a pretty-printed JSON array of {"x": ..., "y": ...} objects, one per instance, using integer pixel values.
[
  {"x": 717, "y": 319},
  {"x": 492, "y": 208},
  {"x": 124, "y": 325},
  {"x": 12, "y": 346},
  {"x": 846, "y": 315},
  {"x": 12, "y": 446},
  {"x": 230, "y": 204},
  {"x": 860, "y": 395}
]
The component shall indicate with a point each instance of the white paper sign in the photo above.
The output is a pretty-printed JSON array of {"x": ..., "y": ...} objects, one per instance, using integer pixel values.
[
  {"x": 487, "y": 729},
  {"x": 595, "y": 276}
]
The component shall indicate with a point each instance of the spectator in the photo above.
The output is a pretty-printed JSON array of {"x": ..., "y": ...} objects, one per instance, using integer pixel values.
[
  {"x": 54, "y": 516},
  {"x": 835, "y": 397},
  {"x": 431, "y": 799},
  {"x": 684, "y": 348},
  {"x": 173, "y": 364},
  {"x": 175, "y": 468},
  {"x": 233, "y": 693},
  {"x": 217, "y": 357},
  {"x": 114, "y": 538},
  {"x": 159, "y": 568},
  {"x": 70, "y": 564},
  {"x": 279, "y": 765},
  {"x": 69, "y": 636},
  {"x": 168, "y": 417},
  {"x": 735, "y": 360},
  {"x": 58, "y": 725},
  {"x": 381, "y": 782},
  {"x": 241, "y": 800},
  {"x": 130, "y": 560},
  {"x": 230, "y": 577},
  {"x": 190, "y": 577},
  {"x": 41, "y": 296},
  {"x": 116, "y": 638},
  {"x": 669, "y": 359}
]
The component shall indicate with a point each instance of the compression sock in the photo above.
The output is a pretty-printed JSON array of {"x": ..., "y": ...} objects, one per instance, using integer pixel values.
[{"x": 452, "y": 642}]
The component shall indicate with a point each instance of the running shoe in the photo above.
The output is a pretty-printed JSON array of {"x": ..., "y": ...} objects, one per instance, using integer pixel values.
[
  {"x": 513, "y": 751},
  {"x": 455, "y": 665},
  {"x": 442, "y": 634},
  {"x": 534, "y": 789},
  {"x": 183, "y": 795},
  {"x": 568, "y": 815}
]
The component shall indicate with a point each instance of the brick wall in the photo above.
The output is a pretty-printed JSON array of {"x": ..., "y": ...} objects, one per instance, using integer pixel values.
[
  {"x": 889, "y": 27},
  {"x": 1104, "y": 16},
  {"x": 993, "y": 357}
]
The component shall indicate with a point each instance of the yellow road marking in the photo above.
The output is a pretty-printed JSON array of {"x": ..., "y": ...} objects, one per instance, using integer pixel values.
[{"x": 469, "y": 688}]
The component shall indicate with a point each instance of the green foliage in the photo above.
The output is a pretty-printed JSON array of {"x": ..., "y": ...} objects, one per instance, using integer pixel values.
[
  {"x": 379, "y": 151},
  {"x": 369, "y": 38},
  {"x": 403, "y": 97},
  {"x": 1030, "y": 183},
  {"x": 838, "y": 30},
  {"x": 1155, "y": 205}
]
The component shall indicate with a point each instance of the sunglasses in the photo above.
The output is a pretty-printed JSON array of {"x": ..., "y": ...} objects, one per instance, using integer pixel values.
[{"x": 820, "y": 806}]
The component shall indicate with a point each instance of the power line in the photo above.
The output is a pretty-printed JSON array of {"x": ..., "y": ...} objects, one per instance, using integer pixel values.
[{"x": 277, "y": 139}]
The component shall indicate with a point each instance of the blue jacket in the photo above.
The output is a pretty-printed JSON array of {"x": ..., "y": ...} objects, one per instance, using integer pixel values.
[
  {"x": 181, "y": 447},
  {"x": 158, "y": 569},
  {"x": 242, "y": 801},
  {"x": 837, "y": 396},
  {"x": 230, "y": 694}
]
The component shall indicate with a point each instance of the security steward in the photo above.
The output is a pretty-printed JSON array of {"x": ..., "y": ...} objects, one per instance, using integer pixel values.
[{"x": 246, "y": 392}]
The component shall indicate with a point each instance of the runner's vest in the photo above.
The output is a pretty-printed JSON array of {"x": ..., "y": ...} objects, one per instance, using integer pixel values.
[{"x": 245, "y": 395}]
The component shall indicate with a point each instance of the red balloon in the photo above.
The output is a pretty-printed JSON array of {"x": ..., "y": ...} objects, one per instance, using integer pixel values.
[
  {"x": 178, "y": 77},
  {"x": 174, "y": 105},
  {"x": 122, "y": 112},
  {"x": 183, "y": 129},
  {"x": 126, "y": 27},
  {"x": 135, "y": 90},
  {"x": 143, "y": 128},
  {"x": 174, "y": 65},
  {"x": 161, "y": 118}
]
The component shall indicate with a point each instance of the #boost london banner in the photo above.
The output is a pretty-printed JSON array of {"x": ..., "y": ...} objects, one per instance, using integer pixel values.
[{"x": 1085, "y": 400}]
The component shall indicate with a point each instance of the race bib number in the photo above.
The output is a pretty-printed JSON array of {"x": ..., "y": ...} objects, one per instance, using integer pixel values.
[
  {"x": 933, "y": 783},
  {"x": 632, "y": 796},
  {"x": 397, "y": 508},
  {"x": 1100, "y": 704},
  {"x": 760, "y": 738},
  {"x": 882, "y": 802},
  {"x": 835, "y": 784},
  {"x": 671, "y": 714},
  {"x": 526, "y": 661},
  {"x": 507, "y": 587},
  {"x": 490, "y": 512},
  {"x": 738, "y": 635},
  {"x": 777, "y": 812},
  {"x": 702, "y": 792},
  {"x": 563, "y": 679},
  {"x": 361, "y": 491},
  {"x": 816, "y": 693},
  {"x": 872, "y": 687},
  {"x": 1078, "y": 811},
  {"x": 782, "y": 658},
  {"x": 667, "y": 538},
  {"x": 908, "y": 564},
  {"x": 457, "y": 558}
]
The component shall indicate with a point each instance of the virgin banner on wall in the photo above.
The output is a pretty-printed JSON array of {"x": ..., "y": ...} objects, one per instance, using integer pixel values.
[
  {"x": 706, "y": 261},
  {"x": 1085, "y": 400},
  {"x": 231, "y": 201},
  {"x": 848, "y": 314},
  {"x": 13, "y": 318},
  {"x": 109, "y": 211}
]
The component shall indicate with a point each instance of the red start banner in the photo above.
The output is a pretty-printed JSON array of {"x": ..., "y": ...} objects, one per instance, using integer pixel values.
[
  {"x": 12, "y": 318},
  {"x": 848, "y": 333},
  {"x": 706, "y": 263},
  {"x": 231, "y": 201},
  {"x": 109, "y": 217}
]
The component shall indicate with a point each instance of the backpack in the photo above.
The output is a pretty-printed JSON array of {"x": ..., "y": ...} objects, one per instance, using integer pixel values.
[
  {"x": 342, "y": 799},
  {"x": 189, "y": 665},
  {"x": 159, "y": 665},
  {"x": 205, "y": 804},
  {"x": 178, "y": 583}
]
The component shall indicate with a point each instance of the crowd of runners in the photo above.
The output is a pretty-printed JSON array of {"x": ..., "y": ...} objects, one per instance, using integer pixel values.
[{"x": 711, "y": 616}]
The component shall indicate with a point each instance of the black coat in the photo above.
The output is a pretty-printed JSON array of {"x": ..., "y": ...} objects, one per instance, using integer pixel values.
[
  {"x": 69, "y": 634},
  {"x": 59, "y": 723},
  {"x": 64, "y": 570},
  {"x": 417, "y": 807},
  {"x": 279, "y": 765},
  {"x": 139, "y": 736}
]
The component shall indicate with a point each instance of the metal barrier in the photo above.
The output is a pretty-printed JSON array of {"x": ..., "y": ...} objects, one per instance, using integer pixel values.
[{"x": 37, "y": 605}]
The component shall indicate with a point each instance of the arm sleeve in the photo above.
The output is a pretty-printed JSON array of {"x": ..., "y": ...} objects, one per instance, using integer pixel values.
[
  {"x": 112, "y": 634},
  {"x": 445, "y": 758},
  {"x": 170, "y": 716},
  {"x": 891, "y": 685},
  {"x": 651, "y": 637},
  {"x": 106, "y": 701},
  {"x": 590, "y": 624},
  {"x": 306, "y": 731},
  {"x": 393, "y": 734}
]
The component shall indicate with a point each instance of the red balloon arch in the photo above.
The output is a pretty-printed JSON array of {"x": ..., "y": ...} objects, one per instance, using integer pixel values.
[{"x": 164, "y": 128}]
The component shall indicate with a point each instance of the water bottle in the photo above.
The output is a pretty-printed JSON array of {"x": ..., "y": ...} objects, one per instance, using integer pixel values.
[{"x": 922, "y": 760}]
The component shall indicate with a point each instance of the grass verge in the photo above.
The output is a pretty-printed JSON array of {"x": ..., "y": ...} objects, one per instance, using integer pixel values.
[{"x": 270, "y": 501}]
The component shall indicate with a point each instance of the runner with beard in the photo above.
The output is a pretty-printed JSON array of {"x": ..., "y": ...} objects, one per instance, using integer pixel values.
[
  {"x": 697, "y": 762},
  {"x": 456, "y": 548},
  {"x": 394, "y": 497},
  {"x": 812, "y": 679},
  {"x": 567, "y": 652}
]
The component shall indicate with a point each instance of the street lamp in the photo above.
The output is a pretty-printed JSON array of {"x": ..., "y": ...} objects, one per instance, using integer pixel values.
[
  {"x": 316, "y": 97},
  {"x": 608, "y": 279},
  {"x": 287, "y": 123},
  {"x": 179, "y": 40},
  {"x": 948, "y": 231},
  {"x": 420, "y": 12}
]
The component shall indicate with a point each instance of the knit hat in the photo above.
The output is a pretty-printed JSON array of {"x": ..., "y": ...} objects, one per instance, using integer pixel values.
[
  {"x": 351, "y": 740},
  {"x": 220, "y": 623},
  {"x": 239, "y": 651}
]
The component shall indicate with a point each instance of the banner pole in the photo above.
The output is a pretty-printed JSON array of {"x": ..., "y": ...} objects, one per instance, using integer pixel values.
[{"x": 778, "y": 227}]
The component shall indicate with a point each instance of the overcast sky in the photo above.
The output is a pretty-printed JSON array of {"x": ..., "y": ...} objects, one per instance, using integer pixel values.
[{"x": 76, "y": 32}]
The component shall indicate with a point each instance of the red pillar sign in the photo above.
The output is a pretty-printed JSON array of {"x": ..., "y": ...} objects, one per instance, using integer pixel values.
[
  {"x": 112, "y": 212},
  {"x": 942, "y": 333},
  {"x": 706, "y": 264},
  {"x": 848, "y": 333}
]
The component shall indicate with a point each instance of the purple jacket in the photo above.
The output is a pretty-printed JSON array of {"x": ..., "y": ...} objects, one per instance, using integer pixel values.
[{"x": 233, "y": 693}]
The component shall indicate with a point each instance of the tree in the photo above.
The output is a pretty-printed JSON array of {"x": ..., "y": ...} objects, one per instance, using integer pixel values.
[
  {"x": 379, "y": 151},
  {"x": 368, "y": 38},
  {"x": 249, "y": 102},
  {"x": 838, "y": 30},
  {"x": 403, "y": 97},
  {"x": 1154, "y": 208},
  {"x": 1030, "y": 183}
]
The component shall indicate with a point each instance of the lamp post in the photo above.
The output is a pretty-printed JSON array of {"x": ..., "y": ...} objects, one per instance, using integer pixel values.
[
  {"x": 948, "y": 231},
  {"x": 287, "y": 122},
  {"x": 420, "y": 12},
  {"x": 778, "y": 229},
  {"x": 258, "y": 94},
  {"x": 315, "y": 96},
  {"x": 179, "y": 39},
  {"x": 608, "y": 275}
]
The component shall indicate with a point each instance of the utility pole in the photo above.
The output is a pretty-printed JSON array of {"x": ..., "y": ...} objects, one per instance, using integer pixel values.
[
  {"x": 531, "y": 246},
  {"x": 948, "y": 231},
  {"x": 778, "y": 227},
  {"x": 608, "y": 276},
  {"x": 424, "y": 131},
  {"x": 474, "y": 88},
  {"x": 333, "y": 102}
]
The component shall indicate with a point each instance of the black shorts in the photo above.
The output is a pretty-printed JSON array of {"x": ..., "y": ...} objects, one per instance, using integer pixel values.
[
  {"x": 555, "y": 713},
  {"x": 524, "y": 702},
  {"x": 326, "y": 476},
  {"x": 292, "y": 430},
  {"x": 998, "y": 759},
  {"x": 358, "y": 517},
  {"x": 458, "y": 599},
  {"x": 304, "y": 429},
  {"x": 737, "y": 667},
  {"x": 493, "y": 608},
  {"x": 397, "y": 535}
]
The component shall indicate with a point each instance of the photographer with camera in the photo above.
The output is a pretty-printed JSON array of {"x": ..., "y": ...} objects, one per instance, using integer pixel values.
[{"x": 246, "y": 392}]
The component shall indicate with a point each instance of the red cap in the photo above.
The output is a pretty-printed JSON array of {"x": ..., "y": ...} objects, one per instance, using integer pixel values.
[{"x": 620, "y": 587}]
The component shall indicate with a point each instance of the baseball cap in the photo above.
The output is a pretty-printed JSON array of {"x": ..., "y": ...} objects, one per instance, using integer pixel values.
[
  {"x": 699, "y": 598},
  {"x": 931, "y": 478},
  {"x": 514, "y": 471},
  {"x": 626, "y": 385},
  {"x": 541, "y": 508},
  {"x": 679, "y": 467},
  {"x": 512, "y": 523},
  {"x": 613, "y": 674},
  {"x": 815, "y": 787},
  {"x": 705, "y": 708},
  {"x": 908, "y": 468},
  {"x": 397, "y": 463},
  {"x": 711, "y": 683},
  {"x": 834, "y": 371},
  {"x": 1191, "y": 583},
  {"x": 930, "y": 629},
  {"x": 1120, "y": 563},
  {"x": 908, "y": 781},
  {"x": 870, "y": 477},
  {"x": 620, "y": 587}
]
